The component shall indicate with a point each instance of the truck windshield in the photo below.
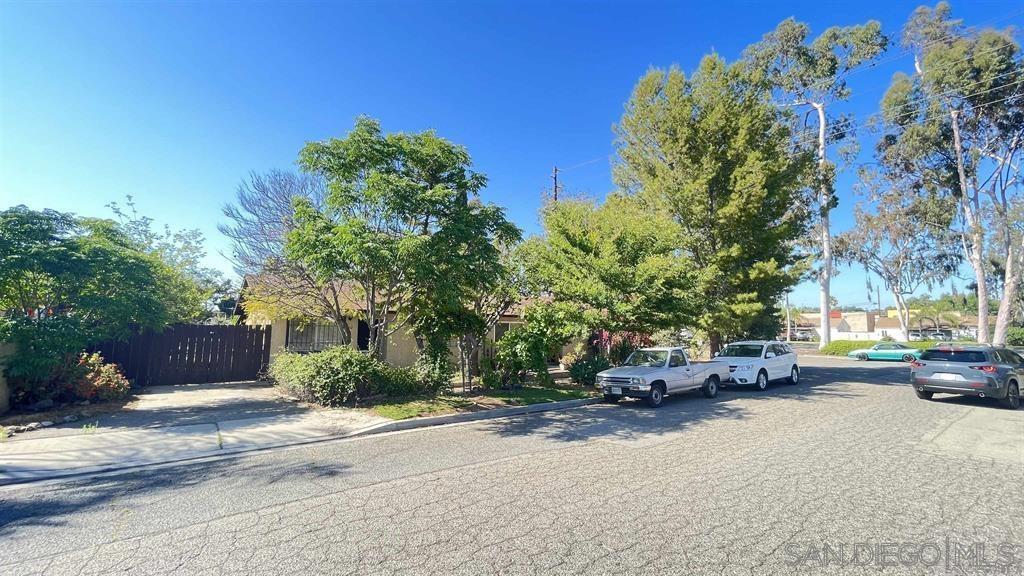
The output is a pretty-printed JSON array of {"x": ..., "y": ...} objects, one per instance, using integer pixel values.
[
  {"x": 742, "y": 351},
  {"x": 652, "y": 358}
]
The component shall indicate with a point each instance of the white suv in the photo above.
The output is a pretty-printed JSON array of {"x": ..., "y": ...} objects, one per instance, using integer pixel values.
[{"x": 759, "y": 362}]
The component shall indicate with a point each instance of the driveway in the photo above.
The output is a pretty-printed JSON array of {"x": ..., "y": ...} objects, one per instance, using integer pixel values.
[
  {"x": 748, "y": 483},
  {"x": 184, "y": 405},
  {"x": 169, "y": 423}
]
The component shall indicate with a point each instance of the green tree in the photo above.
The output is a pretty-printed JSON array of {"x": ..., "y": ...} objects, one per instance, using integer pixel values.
[
  {"x": 198, "y": 288},
  {"x": 66, "y": 282},
  {"x": 956, "y": 127},
  {"x": 616, "y": 261},
  {"x": 905, "y": 241},
  {"x": 711, "y": 152},
  {"x": 812, "y": 74},
  {"x": 400, "y": 232}
]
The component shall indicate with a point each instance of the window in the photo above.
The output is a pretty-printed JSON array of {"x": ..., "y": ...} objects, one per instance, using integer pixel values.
[
  {"x": 363, "y": 336},
  {"x": 313, "y": 337},
  {"x": 742, "y": 351},
  {"x": 1009, "y": 357},
  {"x": 676, "y": 360},
  {"x": 779, "y": 349},
  {"x": 648, "y": 358},
  {"x": 950, "y": 355},
  {"x": 499, "y": 330}
]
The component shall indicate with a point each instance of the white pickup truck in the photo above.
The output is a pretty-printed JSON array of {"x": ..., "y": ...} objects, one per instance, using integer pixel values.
[{"x": 653, "y": 373}]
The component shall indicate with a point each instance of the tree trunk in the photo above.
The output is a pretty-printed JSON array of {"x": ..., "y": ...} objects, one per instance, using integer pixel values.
[
  {"x": 974, "y": 235},
  {"x": 1011, "y": 286},
  {"x": 902, "y": 313},
  {"x": 714, "y": 342},
  {"x": 824, "y": 201}
]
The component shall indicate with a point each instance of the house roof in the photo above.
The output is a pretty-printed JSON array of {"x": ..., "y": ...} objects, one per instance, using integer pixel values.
[{"x": 349, "y": 296}]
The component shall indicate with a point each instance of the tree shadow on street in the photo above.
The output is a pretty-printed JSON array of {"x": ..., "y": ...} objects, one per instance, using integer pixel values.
[
  {"x": 43, "y": 507},
  {"x": 633, "y": 419}
]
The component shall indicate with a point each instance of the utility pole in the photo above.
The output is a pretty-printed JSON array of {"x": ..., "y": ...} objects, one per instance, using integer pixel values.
[
  {"x": 554, "y": 187},
  {"x": 878, "y": 299}
]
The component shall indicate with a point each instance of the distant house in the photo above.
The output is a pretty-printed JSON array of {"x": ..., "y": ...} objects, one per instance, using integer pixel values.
[
  {"x": 870, "y": 326},
  {"x": 304, "y": 332}
]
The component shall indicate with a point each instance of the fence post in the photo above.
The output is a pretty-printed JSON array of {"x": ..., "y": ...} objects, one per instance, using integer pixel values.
[{"x": 5, "y": 392}]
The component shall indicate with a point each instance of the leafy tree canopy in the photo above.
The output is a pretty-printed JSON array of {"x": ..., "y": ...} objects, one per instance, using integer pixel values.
[{"x": 711, "y": 152}]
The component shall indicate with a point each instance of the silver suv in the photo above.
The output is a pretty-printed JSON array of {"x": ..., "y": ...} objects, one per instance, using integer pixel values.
[{"x": 983, "y": 371}]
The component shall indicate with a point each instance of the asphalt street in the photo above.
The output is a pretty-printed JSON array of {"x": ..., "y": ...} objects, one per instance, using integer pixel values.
[{"x": 845, "y": 473}]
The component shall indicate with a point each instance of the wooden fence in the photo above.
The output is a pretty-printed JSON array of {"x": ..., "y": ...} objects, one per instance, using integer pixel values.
[{"x": 191, "y": 354}]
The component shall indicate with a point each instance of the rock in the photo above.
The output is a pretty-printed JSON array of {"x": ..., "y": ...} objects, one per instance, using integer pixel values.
[
  {"x": 42, "y": 405},
  {"x": 82, "y": 403},
  {"x": 31, "y": 426},
  {"x": 70, "y": 418},
  {"x": 46, "y": 423}
]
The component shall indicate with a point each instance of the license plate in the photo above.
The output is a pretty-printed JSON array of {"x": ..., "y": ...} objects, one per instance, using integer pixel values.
[
  {"x": 616, "y": 390},
  {"x": 945, "y": 376}
]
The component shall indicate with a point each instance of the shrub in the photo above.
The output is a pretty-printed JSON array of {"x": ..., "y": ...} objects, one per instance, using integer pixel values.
[
  {"x": 433, "y": 369},
  {"x": 1015, "y": 336},
  {"x": 584, "y": 370},
  {"x": 844, "y": 347},
  {"x": 341, "y": 375},
  {"x": 99, "y": 380},
  {"x": 330, "y": 377}
]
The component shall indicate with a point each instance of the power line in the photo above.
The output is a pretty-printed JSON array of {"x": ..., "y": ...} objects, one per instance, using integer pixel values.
[
  {"x": 582, "y": 164},
  {"x": 944, "y": 67},
  {"x": 811, "y": 138},
  {"x": 952, "y": 35}
]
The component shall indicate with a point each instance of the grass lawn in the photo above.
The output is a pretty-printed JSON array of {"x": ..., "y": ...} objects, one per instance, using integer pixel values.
[
  {"x": 537, "y": 394},
  {"x": 400, "y": 409}
]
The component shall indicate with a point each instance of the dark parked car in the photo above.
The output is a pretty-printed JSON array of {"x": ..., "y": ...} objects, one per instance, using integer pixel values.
[{"x": 983, "y": 371}]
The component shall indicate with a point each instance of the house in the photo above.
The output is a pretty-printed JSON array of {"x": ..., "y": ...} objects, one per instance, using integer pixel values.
[
  {"x": 301, "y": 331},
  {"x": 869, "y": 325}
]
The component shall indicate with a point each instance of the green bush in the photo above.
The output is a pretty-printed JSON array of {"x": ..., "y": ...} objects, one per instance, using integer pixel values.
[
  {"x": 1015, "y": 336},
  {"x": 584, "y": 370},
  {"x": 844, "y": 347},
  {"x": 99, "y": 380},
  {"x": 343, "y": 375},
  {"x": 434, "y": 367}
]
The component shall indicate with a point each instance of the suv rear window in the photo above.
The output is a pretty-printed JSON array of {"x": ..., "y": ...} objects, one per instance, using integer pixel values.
[{"x": 954, "y": 355}]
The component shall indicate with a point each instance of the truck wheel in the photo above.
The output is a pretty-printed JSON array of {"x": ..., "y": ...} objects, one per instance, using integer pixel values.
[
  {"x": 794, "y": 375},
  {"x": 710, "y": 387},
  {"x": 762, "y": 380},
  {"x": 923, "y": 395},
  {"x": 1012, "y": 399},
  {"x": 657, "y": 396},
  {"x": 611, "y": 398}
]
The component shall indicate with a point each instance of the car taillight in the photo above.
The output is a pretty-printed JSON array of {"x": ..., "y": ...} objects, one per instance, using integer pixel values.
[
  {"x": 916, "y": 364},
  {"x": 988, "y": 369}
]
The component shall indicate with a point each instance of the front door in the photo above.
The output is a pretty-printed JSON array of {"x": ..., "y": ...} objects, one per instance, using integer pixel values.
[{"x": 679, "y": 370}]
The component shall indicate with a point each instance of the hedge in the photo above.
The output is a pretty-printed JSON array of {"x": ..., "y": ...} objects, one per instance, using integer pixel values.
[
  {"x": 844, "y": 347},
  {"x": 343, "y": 375}
]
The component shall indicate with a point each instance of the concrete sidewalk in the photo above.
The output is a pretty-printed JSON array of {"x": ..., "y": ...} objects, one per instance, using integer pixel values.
[
  {"x": 35, "y": 458},
  {"x": 27, "y": 459}
]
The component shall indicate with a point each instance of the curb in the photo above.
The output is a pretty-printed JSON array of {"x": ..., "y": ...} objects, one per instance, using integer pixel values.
[
  {"x": 383, "y": 428},
  {"x": 412, "y": 423}
]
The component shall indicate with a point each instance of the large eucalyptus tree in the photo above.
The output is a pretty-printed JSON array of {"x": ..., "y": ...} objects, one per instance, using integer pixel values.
[{"x": 811, "y": 74}]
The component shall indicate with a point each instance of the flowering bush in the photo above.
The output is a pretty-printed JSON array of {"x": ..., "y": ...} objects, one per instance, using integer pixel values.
[{"x": 99, "y": 380}]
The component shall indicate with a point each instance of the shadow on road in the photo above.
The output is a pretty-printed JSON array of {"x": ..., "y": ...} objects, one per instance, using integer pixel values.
[
  {"x": 632, "y": 419},
  {"x": 48, "y": 507}
]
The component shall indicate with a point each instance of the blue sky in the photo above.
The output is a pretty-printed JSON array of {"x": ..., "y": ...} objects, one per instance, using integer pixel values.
[{"x": 174, "y": 103}]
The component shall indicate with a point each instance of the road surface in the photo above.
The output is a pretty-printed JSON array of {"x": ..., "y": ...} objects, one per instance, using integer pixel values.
[{"x": 845, "y": 473}]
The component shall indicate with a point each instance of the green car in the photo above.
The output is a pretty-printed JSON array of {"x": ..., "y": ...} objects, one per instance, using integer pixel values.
[{"x": 887, "y": 351}]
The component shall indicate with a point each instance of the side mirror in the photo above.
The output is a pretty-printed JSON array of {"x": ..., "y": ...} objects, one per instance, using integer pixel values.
[{"x": 769, "y": 355}]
